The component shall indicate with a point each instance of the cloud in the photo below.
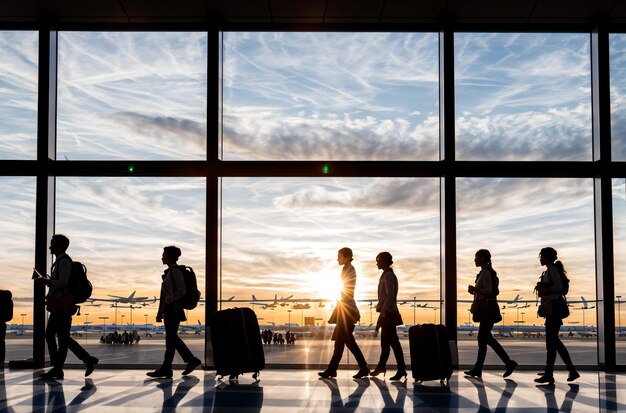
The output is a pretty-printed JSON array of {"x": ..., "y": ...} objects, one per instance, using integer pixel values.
[{"x": 165, "y": 128}]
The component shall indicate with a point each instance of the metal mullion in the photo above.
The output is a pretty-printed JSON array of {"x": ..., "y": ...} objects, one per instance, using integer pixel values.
[
  {"x": 447, "y": 155},
  {"x": 123, "y": 168},
  {"x": 603, "y": 207}
]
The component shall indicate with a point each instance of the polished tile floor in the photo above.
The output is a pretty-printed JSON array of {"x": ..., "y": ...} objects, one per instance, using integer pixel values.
[{"x": 301, "y": 391}]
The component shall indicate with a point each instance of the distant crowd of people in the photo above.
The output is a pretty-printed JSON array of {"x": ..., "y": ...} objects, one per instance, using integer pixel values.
[
  {"x": 117, "y": 338},
  {"x": 270, "y": 337}
]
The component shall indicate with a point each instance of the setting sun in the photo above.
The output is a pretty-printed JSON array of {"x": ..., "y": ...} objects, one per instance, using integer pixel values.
[{"x": 327, "y": 285}]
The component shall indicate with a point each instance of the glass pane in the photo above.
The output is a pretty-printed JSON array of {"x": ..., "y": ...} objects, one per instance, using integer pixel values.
[
  {"x": 514, "y": 219},
  {"x": 617, "y": 56},
  {"x": 280, "y": 238},
  {"x": 17, "y": 229},
  {"x": 132, "y": 95},
  {"x": 523, "y": 96},
  {"x": 619, "y": 235},
  {"x": 118, "y": 227},
  {"x": 18, "y": 94},
  {"x": 330, "y": 96}
]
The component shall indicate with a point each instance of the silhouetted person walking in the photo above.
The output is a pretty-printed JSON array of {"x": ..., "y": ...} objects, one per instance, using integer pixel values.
[
  {"x": 172, "y": 313},
  {"x": 551, "y": 288},
  {"x": 60, "y": 323},
  {"x": 486, "y": 311},
  {"x": 345, "y": 315},
  {"x": 389, "y": 318}
]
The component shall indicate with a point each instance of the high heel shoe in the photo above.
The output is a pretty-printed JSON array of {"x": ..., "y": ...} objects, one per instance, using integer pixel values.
[
  {"x": 545, "y": 379},
  {"x": 363, "y": 372},
  {"x": 510, "y": 366},
  {"x": 53, "y": 373},
  {"x": 399, "y": 375},
  {"x": 327, "y": 374},
  {"x": 90, "y": 365},
  {"x": 378, "y": 370}
]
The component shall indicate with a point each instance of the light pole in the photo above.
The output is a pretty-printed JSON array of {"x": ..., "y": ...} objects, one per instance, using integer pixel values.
[
  {"x": 146, "y": 315},
  {"x": 23, "y": 315},
  {"x": 116, "y": 314},
  {"x": 104, "y": 324},
  {"x": 289, "y": 312},
  {"x": 122, "y": 316},
  {"x": 86, "y": 326},
  {"x": 619, "y": 314},
  {"x": 414, "y": 308}
]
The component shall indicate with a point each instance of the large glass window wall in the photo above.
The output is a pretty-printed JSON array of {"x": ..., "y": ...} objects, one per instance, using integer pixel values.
[
  {"x": 124, "y": 95},
  {"x": 18, "y": 94},
  {"x": 17, "y": 229},
  {"x": 523, "y": 96},
  {"x": 280, "y": 238},
  {"x": 311, "y": 96},
  {"x": 330, "y": 96},
  {"x": 514, "y": 219},
  {"x": 118, "y": 227}
]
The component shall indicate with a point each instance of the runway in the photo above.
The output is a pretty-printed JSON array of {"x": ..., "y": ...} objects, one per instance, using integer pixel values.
[{"x": 312, "y": 352}]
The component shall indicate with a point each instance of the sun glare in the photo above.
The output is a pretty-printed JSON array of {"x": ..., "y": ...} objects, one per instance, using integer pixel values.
[{"x": 327, "y": 286}]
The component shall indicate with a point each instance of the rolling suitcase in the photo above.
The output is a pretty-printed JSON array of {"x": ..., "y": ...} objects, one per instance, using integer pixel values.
[
  {"x": 431, "y": 358},
  {"x": 236, "y": 341}
]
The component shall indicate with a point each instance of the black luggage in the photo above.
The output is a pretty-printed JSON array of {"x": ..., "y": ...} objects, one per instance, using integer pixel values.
[
  {"x": 431, "y": 358},
  {"x": 236, "y": 341}
]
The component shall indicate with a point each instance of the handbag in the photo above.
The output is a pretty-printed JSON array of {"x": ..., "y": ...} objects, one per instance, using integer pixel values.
[
  {"x": 486, "y": 310},
  {"x": 60, "y": 304},
  {"x": 556, "y": 308}
]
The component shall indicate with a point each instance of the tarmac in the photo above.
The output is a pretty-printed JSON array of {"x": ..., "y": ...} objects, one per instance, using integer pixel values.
[{"x": 317, "y": 352}]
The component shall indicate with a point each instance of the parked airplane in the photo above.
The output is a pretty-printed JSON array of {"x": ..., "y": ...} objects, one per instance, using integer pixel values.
[
  {"x": 196, "y": 328},
  {"x": 131, "y": 299}
]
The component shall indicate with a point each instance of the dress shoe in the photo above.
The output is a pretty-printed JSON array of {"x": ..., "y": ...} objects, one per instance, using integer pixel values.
[
  {"x": 53, "y": 373},
  {"x": 191, "y": 366},
  {"x": 378, "y": 370},
  {"x": 475, "y": 372},
  {"x": 363, "y": 372},
  {"x": 166, "y": 373},
  {"x": 90, "y": 365},
  {"x": 510, "y": 366},
  {"x": 573, "y": 375},
  {"x": 327, "y": 374},
  {"x": 545, "y": 379},
  {"x": 399, "y": 375}
]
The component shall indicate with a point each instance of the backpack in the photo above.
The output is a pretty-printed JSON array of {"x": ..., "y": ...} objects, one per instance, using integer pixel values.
[
  {"x": 189, "y": 301},
  {"x": 564, "y": 282},
  {"x": 79, "y": 287},
  {"x": 6, "y": 305}
]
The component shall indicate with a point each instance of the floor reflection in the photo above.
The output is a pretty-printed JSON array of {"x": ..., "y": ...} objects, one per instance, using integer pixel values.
[{"x": 292, "y": 390}]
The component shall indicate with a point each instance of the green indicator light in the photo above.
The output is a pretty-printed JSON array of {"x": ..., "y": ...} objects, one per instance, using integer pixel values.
[
  {"x": 325, "y": 169},
  {"x": 131, "y": 168}
]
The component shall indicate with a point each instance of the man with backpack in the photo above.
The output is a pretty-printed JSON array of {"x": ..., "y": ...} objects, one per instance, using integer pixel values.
[
  {"x": 62, "y": 282},
  {"x": 6, "y": 314},
  {"x": 177, "y": 294}
]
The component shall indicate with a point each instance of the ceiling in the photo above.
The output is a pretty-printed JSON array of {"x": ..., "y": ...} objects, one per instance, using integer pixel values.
[{"x": 272, "y": 12}]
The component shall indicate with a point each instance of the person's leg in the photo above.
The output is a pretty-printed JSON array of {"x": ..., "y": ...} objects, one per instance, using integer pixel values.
[
  {"x": 484, "y": 337},
  {"x": 499, "y": 350},
  {"x": 51, "y": 333},
  {"x": 552, "y": 337},
  {"x": 394, "y": 342},
  {"x": 564, "y": 354},
  {"x": 171, "y": 339},
  {"x": 3, "y": 336},
  {"x": 64, "y": 326},
  {"x": 385, "y": 347}
]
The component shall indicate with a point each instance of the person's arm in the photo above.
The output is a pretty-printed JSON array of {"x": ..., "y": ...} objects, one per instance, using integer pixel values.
[
  {"x": 390, "y": 292},
  {"x": 64, "y": 269}
]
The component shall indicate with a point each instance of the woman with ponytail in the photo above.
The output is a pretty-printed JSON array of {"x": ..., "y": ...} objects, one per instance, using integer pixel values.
[
  {"x": 552, "y": 286},
  {"x": 486, "y": 311}
]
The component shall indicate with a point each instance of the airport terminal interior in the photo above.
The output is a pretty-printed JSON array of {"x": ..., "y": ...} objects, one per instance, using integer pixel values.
[{"x": 262, "y": 136}]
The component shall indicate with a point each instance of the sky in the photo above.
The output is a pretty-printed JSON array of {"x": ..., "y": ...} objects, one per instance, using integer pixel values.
[{"x": 310, "y": 96}]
